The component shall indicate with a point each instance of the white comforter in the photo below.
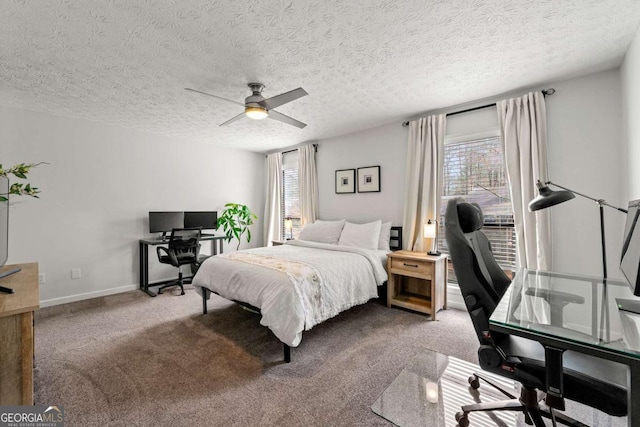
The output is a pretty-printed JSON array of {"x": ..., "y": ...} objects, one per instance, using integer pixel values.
[{"x": 346, "y": 277}]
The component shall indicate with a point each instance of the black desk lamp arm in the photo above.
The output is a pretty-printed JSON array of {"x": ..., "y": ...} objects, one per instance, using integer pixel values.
[{"x": 601, "y": 202}]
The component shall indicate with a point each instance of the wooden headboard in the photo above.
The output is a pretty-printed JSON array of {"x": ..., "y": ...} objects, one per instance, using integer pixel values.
[{"x": 395, "y": 241}]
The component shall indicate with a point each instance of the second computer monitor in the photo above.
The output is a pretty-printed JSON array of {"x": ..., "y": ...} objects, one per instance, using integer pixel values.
[{"x": 206, "y": 220}]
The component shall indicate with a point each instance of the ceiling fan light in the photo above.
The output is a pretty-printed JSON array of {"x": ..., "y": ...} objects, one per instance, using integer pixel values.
[{"x": 256, "y": 113}]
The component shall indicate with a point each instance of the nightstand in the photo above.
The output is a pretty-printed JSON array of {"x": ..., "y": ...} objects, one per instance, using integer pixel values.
[{"x": 417, "y": 281}]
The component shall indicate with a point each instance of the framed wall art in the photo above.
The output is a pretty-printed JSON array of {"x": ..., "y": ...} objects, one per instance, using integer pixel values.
[
  {"x": 345, "y": 181},
  {"x": 369, "y": 179}
]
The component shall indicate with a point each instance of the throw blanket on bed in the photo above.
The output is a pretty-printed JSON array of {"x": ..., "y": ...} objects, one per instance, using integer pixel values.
[{"x": 305, "y": 279}]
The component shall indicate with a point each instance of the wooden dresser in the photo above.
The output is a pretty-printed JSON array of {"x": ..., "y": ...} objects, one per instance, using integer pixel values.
[{"x": 16, "y": 334}]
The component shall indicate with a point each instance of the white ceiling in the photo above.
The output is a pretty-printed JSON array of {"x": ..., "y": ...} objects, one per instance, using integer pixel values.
[{"x": 363, "y": 63}]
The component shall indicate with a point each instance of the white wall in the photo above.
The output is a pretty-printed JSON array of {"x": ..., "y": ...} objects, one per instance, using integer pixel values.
[
  {"x": 585, "y": 152},
  {"x": 98, "y": 189},
  {"x": 384, "y": 146},
  {"x": 631, "y": 107}
]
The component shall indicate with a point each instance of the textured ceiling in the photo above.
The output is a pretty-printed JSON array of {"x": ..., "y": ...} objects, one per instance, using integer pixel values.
[{"x": 363, "y": 63}]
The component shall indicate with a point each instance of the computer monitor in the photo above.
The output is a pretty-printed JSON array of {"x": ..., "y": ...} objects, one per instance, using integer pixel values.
[
  {"x": 204, "y": 219},
  {"x": 630, "y": 258},
  {"x": 164, "y": 222}
]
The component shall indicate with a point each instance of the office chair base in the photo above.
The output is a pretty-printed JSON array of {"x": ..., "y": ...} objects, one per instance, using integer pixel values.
[
  {"x": 178, "y": 282},
  {"x": 169, "y": 285},
  {"x": 528, "y": 403}
]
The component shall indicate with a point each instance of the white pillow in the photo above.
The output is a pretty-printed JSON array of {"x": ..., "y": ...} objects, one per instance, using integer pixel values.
[
  {"x": 364, "y": 236},
  {"x": 322, "y": 231},
  {"x": 385, "y": 236}
]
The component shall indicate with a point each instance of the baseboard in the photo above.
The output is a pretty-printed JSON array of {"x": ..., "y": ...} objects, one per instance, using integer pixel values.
[{"x": 88, "y": 295}]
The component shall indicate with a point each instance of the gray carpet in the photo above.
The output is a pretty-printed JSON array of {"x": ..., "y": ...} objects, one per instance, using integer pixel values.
[{"x": 130, "y": 359}]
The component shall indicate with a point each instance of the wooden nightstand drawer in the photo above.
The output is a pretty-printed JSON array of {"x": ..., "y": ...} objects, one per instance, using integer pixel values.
[{"x": 414, "y": 268}]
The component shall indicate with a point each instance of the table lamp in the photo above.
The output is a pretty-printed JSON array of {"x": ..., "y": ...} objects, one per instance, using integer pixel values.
[
  {"x": 288, "y": 227},
  {"x": 431, "y": 232}
]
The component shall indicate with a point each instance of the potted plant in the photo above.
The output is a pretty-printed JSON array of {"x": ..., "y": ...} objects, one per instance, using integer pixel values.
[
  {"x": 18, "y": 188},
  {"x": 235, "y": 221}
]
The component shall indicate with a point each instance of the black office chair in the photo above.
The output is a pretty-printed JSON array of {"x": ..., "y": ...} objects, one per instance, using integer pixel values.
[
  {"x": 183, "y": 249},
  {"x": 594, "y": 382}
]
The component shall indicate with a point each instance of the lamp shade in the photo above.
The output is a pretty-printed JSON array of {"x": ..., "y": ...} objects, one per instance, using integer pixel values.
[
  {"x": 430, "y": 230},
  {"x": 548, "y": 197},
  {"x": 288, "y": 224}
]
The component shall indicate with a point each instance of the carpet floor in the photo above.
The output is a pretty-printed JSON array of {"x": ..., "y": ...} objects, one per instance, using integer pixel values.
[{"x": 132, "y": 360}]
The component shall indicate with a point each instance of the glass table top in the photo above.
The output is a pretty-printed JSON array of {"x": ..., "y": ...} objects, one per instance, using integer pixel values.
[
  {"x": 406, "y": 402},
  {"x": 577, "y": 308}
]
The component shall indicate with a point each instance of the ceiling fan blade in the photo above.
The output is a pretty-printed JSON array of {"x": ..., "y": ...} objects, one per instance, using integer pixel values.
[
  {"x": 283, "y": 98},
  {"x": 214, "y": 96},
  {"x": 285, "y": 119},
  {"x": 233, "y": 119}
]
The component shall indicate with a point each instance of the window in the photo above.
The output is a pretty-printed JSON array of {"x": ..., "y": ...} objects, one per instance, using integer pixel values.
[
  {"x": 290, "y": 203},
  {"x": 475, "y": 170}
]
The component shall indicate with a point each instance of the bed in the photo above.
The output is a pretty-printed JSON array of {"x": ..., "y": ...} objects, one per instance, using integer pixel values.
[{"x": 297, "y": 285}]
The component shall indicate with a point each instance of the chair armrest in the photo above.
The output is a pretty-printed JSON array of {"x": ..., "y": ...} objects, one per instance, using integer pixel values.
[
  {"x": 548, "y": 295},
  {"x": 171, "y": 254}
]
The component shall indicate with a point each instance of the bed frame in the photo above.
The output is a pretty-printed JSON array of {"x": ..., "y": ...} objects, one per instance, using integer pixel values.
[{"x": 395, "y": 243}]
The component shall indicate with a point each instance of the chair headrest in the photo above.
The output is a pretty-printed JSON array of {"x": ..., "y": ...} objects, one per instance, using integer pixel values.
[{"x": 470, "y": 217}]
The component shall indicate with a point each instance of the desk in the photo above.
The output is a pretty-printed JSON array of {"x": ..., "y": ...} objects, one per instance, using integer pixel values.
[
  {"x": 16, "y": 335},
  {"x": 144, "y": 258},
  {"x": 594, "y": 327}
]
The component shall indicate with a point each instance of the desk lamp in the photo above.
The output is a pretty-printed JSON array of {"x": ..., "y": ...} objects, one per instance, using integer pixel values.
[
  {"x": 549, "y": 197},
  {"x": 288, "y": 227},
  {"x": 431, "y": 232}
]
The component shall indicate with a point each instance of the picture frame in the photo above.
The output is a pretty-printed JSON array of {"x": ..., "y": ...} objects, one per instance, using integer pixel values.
[
  {"x": 369, "y": 179},
  {"x": 345, "y": 181}
]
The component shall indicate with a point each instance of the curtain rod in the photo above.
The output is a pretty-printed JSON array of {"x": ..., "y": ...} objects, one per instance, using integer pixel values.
[
  {"x": 545, "y": 92},
  {"x": 315, "y": 146}
]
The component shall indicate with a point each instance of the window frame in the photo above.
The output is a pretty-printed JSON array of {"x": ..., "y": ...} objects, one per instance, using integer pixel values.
[{"x": 489, "y": 227}]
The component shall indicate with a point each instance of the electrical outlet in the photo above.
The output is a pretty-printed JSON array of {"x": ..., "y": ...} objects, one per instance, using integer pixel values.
[
  {"x": 41, "y": 278},
  {"x": 76, "y": 273}
]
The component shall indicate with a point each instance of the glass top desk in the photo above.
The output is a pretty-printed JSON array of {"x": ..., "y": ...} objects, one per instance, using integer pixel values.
[{"x": 590, "y": 324}]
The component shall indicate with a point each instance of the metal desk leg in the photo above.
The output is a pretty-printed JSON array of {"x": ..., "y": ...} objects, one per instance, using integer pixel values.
[
  {"x": 144, "y": 269},
  {"x": 555, "y": 387},
  {"x": 633, "y": 395}
]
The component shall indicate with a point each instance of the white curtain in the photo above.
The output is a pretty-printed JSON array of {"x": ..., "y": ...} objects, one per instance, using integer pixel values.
[
  {"x": 272, "y": 208},
  {"x": 307, "y": 183},
  {"x": 423, "y": 179},
  {"x": 523, "y": 126}
]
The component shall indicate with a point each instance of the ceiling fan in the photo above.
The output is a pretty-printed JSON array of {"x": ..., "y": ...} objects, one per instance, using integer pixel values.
[{"x": 257, "y": 107}]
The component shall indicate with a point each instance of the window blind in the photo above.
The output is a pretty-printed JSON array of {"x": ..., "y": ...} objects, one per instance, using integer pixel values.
[
  {"x": 291, "y": 199},
  {"x": 475, "y": 170}
]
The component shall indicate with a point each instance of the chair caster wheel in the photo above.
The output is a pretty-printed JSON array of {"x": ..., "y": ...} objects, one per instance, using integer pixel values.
[
  {"x": 474, "y": 382},
  {"x": 182, "y": 293},
  {"x": 462, "y": 419},
  {"x": 159, "y": 291}
]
